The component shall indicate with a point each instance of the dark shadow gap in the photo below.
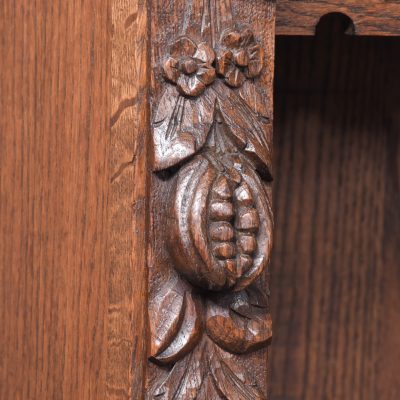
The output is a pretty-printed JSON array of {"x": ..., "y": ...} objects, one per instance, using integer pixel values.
[{"x": 335, "y": 272}]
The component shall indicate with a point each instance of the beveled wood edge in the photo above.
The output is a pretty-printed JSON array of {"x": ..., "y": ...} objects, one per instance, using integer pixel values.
[
  {"x": 370, "y": 18},
  {"x": 127, "y": 319}
]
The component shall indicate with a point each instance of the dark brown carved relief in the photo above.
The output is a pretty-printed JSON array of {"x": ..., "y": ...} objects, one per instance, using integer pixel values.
[{"x": 211, "y": 220}]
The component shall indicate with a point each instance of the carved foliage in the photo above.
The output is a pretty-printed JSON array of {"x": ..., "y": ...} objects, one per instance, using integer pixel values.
[
  {"x": 182, "y": 123},
  {"x": 175, "y": 323},
  {"x": 240, "y": 322},
  {"x": 219, "y": 218},
  {"x": 237, "y": 321},
  {"x": 208, "y": 373}
]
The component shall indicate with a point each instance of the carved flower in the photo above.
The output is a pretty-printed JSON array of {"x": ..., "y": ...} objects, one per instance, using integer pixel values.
[
  {"x": 241, "y": 57},
  {"x": 190, "y": 66}
]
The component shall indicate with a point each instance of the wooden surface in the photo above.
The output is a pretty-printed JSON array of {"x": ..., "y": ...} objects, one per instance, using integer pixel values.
[
  {"x": 335, "y": 280},
  {"x": 211, "y": 99},
  {"x": 54, "y": 131},
  {"x": 370, "y": 17},
  {"x": 127, "y": 312},
  {"x": 73, "y": 208}
]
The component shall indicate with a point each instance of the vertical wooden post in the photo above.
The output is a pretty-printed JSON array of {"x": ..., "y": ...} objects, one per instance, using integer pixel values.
[
  {"x": 211, "y": 215},
  {"x": 127, "y": 314},
  {"x": 194, "y": 234}
]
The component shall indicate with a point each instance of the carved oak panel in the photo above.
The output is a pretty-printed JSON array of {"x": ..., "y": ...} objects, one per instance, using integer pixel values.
[{"x": 211, "y": 218}]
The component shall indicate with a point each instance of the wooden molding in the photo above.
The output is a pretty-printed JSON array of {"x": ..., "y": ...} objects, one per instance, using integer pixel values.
[
  {"x": 128, "y": 200},
  {"x": 211, "y": 217},
  {"x": 370, "y": 17}
]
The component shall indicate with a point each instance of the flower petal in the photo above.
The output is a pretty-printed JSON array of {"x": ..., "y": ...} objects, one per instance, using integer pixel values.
[
  {"x": 206, "y": 75},
  {"x": 256, "y": 61},
  {"x": 231, "y": 39},
  {"x": 247, "y": 38},
  {"x": 171, "y": 70},
  {"x": 242, "y": 58},
  {"x": 204, "y": 53},
  {"x": 235, "y": 77},
  {"x": 225, "y": 62},
  {"x": 190, "y": 85},
  {"x": 183, "y": 47}
]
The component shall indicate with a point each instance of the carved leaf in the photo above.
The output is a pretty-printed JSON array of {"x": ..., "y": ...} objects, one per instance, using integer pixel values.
[
  {"x": 255, "y": 97},
  {"x": 231, "y": 381},
  {"x": 258, "y": 297},
  {"x": 180, "y": 126},
  {"x": 184, "y": 380},
  {"x": 187, "y": 336},
  {"x": 236, "y": 325},
  {"x": 247, "y": 128},
  {"x": 166, "y": 313},
  {"x": 208, "y": 373}
]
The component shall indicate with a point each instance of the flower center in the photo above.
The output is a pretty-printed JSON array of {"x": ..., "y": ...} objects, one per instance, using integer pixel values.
[{"x": 189, "y": 66}]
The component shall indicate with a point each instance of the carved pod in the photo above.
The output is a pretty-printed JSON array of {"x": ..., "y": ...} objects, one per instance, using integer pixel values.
[{"x": 220, "y": 222}]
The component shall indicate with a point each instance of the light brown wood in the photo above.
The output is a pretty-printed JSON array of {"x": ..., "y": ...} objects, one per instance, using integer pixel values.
[
  {"x": 370, "y": 17},
  {"x": 76, "y": 220},
  {"x": 128, "y": 232},
  {"x": 54, "y": 132},
  {"x": 335, "y": 286}
]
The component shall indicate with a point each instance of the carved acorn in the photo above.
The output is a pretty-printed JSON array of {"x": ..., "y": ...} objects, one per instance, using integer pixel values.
[{"x": 221, "y": 222}]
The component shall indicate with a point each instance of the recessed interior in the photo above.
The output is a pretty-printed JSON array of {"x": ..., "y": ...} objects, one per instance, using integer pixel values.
[{"x": 335, "y": 272}]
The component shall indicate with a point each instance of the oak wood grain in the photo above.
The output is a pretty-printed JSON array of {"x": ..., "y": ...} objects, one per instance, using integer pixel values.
[
  {"x": 370, "y": 17},
  {"x": 127, "y": 310},
  {"x": 54, "y": 124},
  {"x": 74, "y": 203},
  {"x": 335, "y": 268}
]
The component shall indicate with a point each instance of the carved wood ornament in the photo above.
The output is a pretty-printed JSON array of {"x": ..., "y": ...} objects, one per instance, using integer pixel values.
[{"x": 211, "y": 220}]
